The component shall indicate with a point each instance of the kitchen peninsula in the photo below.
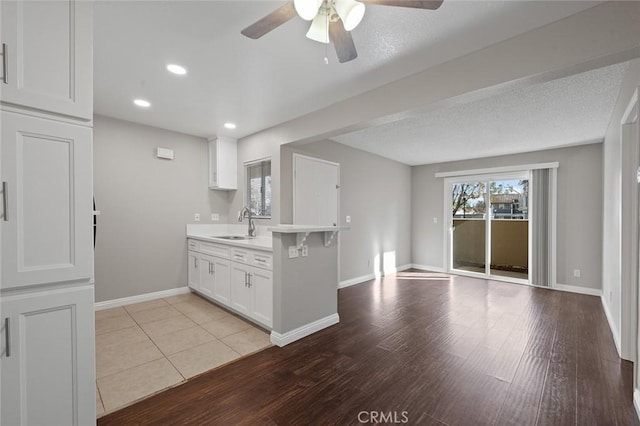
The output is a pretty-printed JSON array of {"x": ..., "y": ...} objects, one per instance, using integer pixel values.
[{"x": 284, "y": 279}]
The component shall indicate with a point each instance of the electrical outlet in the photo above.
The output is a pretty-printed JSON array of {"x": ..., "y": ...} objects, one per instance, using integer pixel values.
[
  {"x": 435, "y": 219},
  {"x": 577, "y": 273},
  {"x": 215, "y": 217},
  {"x": 305, "y": 250},
  {"x": 347, "y": 219},
  {"x": 196, "y": 217},
  {"x": 293, "y": 252}
]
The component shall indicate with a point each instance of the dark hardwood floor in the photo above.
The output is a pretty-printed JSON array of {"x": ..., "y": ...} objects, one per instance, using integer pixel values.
[{"x": 430, "y": 349}]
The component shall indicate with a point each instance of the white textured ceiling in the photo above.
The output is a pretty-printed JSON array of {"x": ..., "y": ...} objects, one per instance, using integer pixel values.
[
  {"x": 261, "y": 83},
  {"x": 563, "y": 112}
]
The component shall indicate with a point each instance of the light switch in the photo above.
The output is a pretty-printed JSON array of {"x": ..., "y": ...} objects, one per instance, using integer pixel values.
[
  {"x": 196, "y": 217},
  {"x": 435, "y": 219},
  {"x": 348, "y": 219}
]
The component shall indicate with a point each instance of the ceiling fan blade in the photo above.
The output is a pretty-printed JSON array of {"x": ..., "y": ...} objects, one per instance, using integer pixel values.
[
  {"x": 416, "y": 4},
  {"x": 342, "y": 41},
  {"x": 270, "y": 22}
]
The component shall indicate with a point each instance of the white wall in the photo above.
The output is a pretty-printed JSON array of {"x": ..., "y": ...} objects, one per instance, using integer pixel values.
[
  {"x": 612, "y": 221},
  {"x": 580, "y": 200},
  {"x": 145, "y": 204},
  {"x": 375, "y": 192}
]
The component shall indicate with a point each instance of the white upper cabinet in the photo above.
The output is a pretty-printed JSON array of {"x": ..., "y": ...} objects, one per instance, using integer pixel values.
[
  {"x": 48, "y": 56},
  {"x": 223, "y": 167},
  {"x": 47, "y": 204}
]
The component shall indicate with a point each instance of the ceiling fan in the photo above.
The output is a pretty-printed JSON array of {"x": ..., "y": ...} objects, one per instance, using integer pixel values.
[{"x": 332, "y": 20}]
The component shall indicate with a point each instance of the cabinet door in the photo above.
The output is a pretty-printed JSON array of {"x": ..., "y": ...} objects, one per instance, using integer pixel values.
[
  {"x": 47, "y": 226},
  {"x": 261, "y": 284},
  {"x": 207, "y": 275},
  {"x": 194, "y": 270},
  {"x": 222, "y": 285},
  {"x": 48, "y": 56},
  {"x": 47, "y": 371},
  {"x": 241, "y": 294},
  {"x": 223, "y": 170}
]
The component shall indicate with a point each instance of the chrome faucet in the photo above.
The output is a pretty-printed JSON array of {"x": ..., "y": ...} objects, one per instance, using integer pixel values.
[{"x": 246, "y": 212}]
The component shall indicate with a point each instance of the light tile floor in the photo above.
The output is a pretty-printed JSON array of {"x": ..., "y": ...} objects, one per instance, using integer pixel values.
[{"x": 147, "y": 347}]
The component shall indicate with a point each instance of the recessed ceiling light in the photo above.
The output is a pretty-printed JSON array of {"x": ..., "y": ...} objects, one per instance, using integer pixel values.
[
  {"x": 230, "y": 125},
  {"x": 176, "y": 69},
  {"x": 142, "y": 103}
]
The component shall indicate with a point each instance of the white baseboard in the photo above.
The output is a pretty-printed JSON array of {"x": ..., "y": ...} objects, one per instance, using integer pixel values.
[
  {"x": 612, "y": 326},
  {"x": 428, "y": 268},
  {"x": 356, "y": 280},
  {"x": 304, "y": 331},
  {"x": 98, "y": 306},
  {"x": 578, "y": 289},
  {"x": 368, "y": 277},
  {"x": 404, "y": 267},
  {"x": 636, "y": 401}
]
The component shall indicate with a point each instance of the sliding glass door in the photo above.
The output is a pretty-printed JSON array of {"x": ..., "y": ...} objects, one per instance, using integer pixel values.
[
  {"x": 469, "y": 226},
  {"x": 489, "y": 227}
]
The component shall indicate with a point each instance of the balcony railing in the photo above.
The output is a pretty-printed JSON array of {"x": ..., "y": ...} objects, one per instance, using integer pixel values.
[{"x": 509, "y": 244}]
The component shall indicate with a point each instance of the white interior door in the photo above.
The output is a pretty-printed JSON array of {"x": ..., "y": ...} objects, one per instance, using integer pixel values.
[{"x": 315, "y": 191}]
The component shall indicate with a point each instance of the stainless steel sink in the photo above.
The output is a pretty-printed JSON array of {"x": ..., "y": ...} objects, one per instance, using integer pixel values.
[{"x": 233, "y": 237}]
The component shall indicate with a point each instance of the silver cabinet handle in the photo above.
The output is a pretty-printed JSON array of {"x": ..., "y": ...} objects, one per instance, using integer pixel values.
[
  {"x": 5, "y": 201},
  {"x": 249, "y": 279},
  {"x": 195, "y": 262},
  {"x": 5, "y": 63},
  {"x": 7, "y": 338}
]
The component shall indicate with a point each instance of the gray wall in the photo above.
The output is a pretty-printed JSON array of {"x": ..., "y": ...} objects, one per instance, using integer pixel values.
[
  {"x": 145, "y": 204},
  {"x": 579, "y": 239},
  {"x": 304, "y": 288},
  {"x": 374, "y": 191},
  {"x": 612, "y": 223}
]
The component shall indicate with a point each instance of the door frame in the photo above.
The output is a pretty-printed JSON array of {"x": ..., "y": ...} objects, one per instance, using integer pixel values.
[
  {"x": 448, "y": 215},
  {"x": 630, "y": 150}
]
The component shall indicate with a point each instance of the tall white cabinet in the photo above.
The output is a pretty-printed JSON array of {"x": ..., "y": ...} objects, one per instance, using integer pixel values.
[{"x": 47, "y": 371}]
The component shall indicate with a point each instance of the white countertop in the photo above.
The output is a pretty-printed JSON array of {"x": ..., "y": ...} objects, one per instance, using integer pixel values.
[
  {"x": 295, "y": 229},
  {"x": 211, "y": 232}
]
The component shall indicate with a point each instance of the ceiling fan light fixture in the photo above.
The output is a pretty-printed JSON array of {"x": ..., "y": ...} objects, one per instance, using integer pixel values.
[
  {"x": 307, "y": 9},
  {"x": 319, "y": 29},
  {"x": 350, "y": 11}
]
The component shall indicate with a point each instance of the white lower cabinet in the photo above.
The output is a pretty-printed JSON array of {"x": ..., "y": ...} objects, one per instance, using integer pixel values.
[
  {"x": 240, "y": 290},
  {"x": 246, "y": 289},
  {"x": 206, "y": 264},
  {"x": 222, "y": 284},
  {"x": 252, "y": 292},
  {"x": 261, "y": 283},
  {"x": 47, "y": 358},
  {"x": 194, "y": 270}
]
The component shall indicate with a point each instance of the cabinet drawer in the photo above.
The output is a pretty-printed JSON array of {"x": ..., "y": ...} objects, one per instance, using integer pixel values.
[
  {"x": 240, "y": 255},
  {"x": 261, "y": 260},
  {"x": 214, "y": 249},
  {"x": 193, "y": 245}
]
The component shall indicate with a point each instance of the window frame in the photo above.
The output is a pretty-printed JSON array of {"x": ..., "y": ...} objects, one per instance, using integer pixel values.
[{"x": 247, "y": 190}]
